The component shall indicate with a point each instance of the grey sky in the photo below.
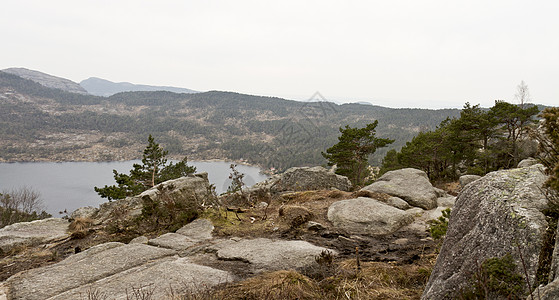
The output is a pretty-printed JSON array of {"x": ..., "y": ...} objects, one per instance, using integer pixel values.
[{"x": 414, "y": 53}]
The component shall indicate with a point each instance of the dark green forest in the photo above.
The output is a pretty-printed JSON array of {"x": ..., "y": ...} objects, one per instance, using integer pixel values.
[{"x": 39, "y": 123}]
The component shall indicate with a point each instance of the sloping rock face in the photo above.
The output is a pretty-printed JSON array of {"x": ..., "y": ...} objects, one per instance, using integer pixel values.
[
  {"x": 367, "y": 216},
  {"x": 113, "y": 269},
  {"x": 192, "y": 187},
  {"x": 498, "y": 214},
  {"x": 266, "y": 254},
  {"x": 304, "y": 179},
  {"x": 409, "y": 184},
  {"x": 33, "y": 233},
  {"x": 47, "y": 80}
]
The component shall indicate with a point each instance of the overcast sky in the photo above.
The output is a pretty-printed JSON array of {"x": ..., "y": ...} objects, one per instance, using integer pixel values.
[{"x": 414, "y": 53}]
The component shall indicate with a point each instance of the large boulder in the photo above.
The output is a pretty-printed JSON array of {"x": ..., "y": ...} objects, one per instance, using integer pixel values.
[
  {"x": 192, "y": 188},
  {"x": 269, "y": 255},
  {"x": 367, "y": 216},
  {"x": 33, "y": 233},
  {"x": 304, "y": 179},
  {"x": 409, "y": 184},
  {"x": 498, "y": 214},
  {"x": 115, "y": 270}
]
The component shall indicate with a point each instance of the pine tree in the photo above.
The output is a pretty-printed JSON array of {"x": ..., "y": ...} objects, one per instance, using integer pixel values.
[
  {"x": 151, "y": 172},
  {"x": 352, "y": 152}
]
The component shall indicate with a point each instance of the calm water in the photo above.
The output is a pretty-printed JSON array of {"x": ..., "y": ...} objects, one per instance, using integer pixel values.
[{"x": 69, "y": 185}]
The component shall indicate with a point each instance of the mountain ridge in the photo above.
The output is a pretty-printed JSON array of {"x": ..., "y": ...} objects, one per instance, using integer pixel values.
[
  {"x": 44, "y": 124},
  {"x": 105, "y": 88},
  {"x": 47, "y": 80}
]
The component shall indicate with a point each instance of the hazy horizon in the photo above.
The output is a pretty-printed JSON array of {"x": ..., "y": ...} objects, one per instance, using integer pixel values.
[{"x": 427, "y": 54}]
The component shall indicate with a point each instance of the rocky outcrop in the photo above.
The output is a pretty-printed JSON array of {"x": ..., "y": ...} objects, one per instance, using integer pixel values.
[
  {"x": 498, "y": 214},
  {"x": 33, "y": 233},
  {"x": 466, "y": 179},
  {"x": 367, "y": 216},
  {"x": 409, "y": 184},
  {"x": 186, "y": 237},
  {"x": 528, "y": 162},
  {"x": 113, "y": 269},
  {"x": 47, "y": 80},
  {"x": 193, "y": 188},
  {"x": 268, "y": 255},
  {"x": 304, "y": 179}
]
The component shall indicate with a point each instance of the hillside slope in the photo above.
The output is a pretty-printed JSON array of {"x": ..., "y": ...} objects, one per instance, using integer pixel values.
[
  {"x": 38, "y": 123},
  {"x": 47, "y": 80}
]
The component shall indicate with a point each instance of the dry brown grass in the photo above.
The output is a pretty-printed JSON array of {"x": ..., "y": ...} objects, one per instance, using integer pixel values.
[
  {"x": 80, "y": 224},
  {"x": 275, "y": 285}
]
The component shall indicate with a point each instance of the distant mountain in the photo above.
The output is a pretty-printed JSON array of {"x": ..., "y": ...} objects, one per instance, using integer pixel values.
[
  {"x": 47, "y": 80},
  {"x": 101, "y": 87},
  {"x": 39, "y": 123}
]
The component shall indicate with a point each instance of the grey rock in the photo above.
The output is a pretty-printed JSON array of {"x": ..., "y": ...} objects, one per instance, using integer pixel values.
[
  {"x": 466, "y": 179},
  {"x": 193, "y": 188},
  {"x": 139, "y": 240},
  {"x": 528, "y": 162},
  {"x": 491, "y": 217},
  {"x": 159, "y": 277},
  {"x": 266, "y": 254},
  {"x": 303, "y": 179},
  {"x": 398, "y": 203},
  {"x": 315, "y": 226},
  {"x": 448, "y": 201},
  {"x": 367, "y": 216},
  {"x": 80, "y": 269},
  {"x": 33, "y": 233},
  {"x": 548, "y": 292},
  {"x": 440, "y": 193},
  {"x": 173, "y": 241},
  {"x": 199, "y": 229},
  {"x": 84, "y": 212},
  {"x": 47, "y": 80},
  {"x": 409, "y": 184}
]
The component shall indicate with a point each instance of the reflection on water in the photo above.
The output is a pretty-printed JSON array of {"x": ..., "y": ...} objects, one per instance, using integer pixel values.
[{"x": 69, "y": 185}]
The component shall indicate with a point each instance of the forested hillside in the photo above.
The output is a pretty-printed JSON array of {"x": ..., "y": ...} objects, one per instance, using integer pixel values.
[{"x": 39, "y": 123}]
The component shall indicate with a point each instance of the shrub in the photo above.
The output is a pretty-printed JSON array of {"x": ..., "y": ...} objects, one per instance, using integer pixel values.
[{"x": 438, "y": 227}]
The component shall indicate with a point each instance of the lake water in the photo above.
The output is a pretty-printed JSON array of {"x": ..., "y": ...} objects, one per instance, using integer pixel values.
[{"x": 69, "y": 185}]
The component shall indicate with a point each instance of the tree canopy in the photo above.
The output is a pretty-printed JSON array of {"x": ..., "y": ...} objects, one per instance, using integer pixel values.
[
  {"x": 352, "y": 151},
  {"x": 151, "y": 172},
  {"x": 479, "y": 141}
]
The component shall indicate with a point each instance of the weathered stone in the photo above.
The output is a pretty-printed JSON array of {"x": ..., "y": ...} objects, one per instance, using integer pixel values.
[
  {"x": 548, "y": 292},
  {"x": 492, "y": 217},
  {"x": 367, "y": 216},
  {"x": 315, "y": 226},
  {"x": 158, "y": 278},
  {"x": 398, "y": 203},
  {"x": 173, "y": 241},
  {"x": 80, "y": 269},
  {"x": 528, "y": 162},
  {"x": 304, "y": 179},
  {"x": 466, "y": 179},
  {"x": 193, "y": 188},
  {"x": 139, "y": 240},
  {"x": 265, "y": 254},
  {"x": 440, "y": 193},
  {"x": 198, "y": 230},
  {"x": 409, "y": 184},
  {"x": 84, "y": 212},
  {"x": 448, "y": 201},
  {"x": 33, "y": 233}
]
